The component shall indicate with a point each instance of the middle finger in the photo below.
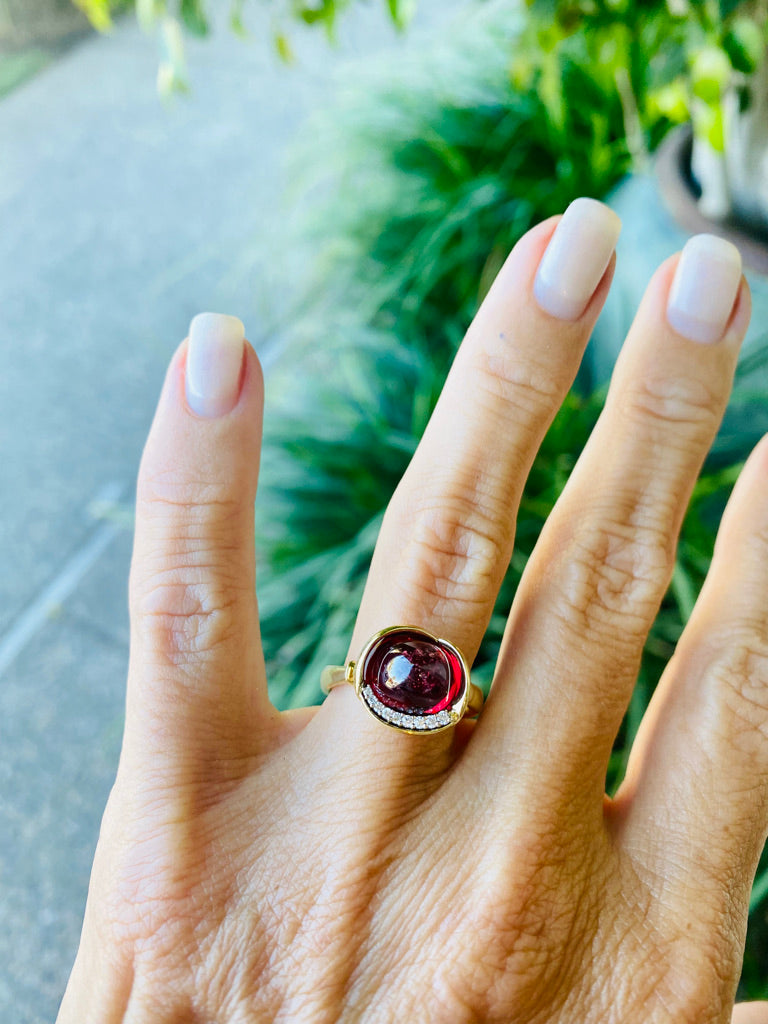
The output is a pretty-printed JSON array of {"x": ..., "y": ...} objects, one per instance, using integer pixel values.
[{"x": 447, "y": 535}]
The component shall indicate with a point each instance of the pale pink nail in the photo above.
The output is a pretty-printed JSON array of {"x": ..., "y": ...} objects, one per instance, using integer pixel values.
[
  {"x": 576, "y": 258},
  {"x": 214, "y": 361},
  {"x": 704, "y": 288}
]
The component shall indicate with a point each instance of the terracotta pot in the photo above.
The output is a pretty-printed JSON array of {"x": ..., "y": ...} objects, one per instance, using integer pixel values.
[{"x": 659, "y": 214}]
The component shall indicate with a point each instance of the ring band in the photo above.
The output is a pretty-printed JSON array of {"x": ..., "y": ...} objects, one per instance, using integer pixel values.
[{"x": 410, "y": 680}]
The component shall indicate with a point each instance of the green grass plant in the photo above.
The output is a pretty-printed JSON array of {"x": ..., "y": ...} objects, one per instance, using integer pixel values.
[{"x": 428, "y": 177}]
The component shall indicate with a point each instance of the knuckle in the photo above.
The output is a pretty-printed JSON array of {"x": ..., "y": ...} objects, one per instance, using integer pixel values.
[
  {"x": 187, "y": 613},
  {"x": 613, "y": 578},
  {"x": 454, "y": 560},
  {"x": 685, "y": 979},
  {"x": 189, "y": 579},
  {"x": 686, "y": 401},
  {"x": 672, "y": 997},
  {"x": 525, "y": 391},
  {"x": 530, "y": 920},
  {"x": 753, "y": 544},
  {"x": 165, "y": 490},
  {"x": 738, "y": 672}
]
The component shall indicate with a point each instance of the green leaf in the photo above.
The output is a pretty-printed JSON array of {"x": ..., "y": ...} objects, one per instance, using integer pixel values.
[
  {"x": 745, "y": 45},
  {"x": 709, "y": 124},
  {"x": 759, "y": 891},
  {"x": 710, "y": 74},
  {"x": 311, "y": 15},
  {"x": 148, "y": 12},
  {"x": 194, "y": 18},
  {"x": 522, "y": 71},
  {"x": 284, "y": 48},
  {"x": 671, "y": 101},
  {"x": 98, "y": 13},
  {"x": 319, "y": 12},
  {"x": 171, "y": 74},
  {"x": 402, "y": 12},
  {"x": 236, "y": 23},
  {"x": 684, "y": 590},
  {"x": 170, "y": 81}
]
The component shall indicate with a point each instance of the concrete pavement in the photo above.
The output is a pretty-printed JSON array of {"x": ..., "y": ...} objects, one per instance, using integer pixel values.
[{"x": 120, "y": 218}]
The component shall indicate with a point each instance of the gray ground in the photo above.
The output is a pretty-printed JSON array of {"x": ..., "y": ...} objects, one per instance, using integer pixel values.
[{"x": 120, "y": 218}]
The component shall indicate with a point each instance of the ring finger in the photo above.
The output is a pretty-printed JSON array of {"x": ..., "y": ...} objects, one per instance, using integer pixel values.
[{"x": 593, "y": 586}]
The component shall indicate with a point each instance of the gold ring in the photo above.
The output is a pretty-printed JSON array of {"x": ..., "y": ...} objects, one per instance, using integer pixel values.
[{"x": 410, "y": 680}]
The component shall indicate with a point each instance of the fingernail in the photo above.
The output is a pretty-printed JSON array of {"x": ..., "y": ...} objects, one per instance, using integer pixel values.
[
  {"x": 214, "y": 359},
  {"x": 704, "y": 289},
  {"x": 576, "y": 258}
]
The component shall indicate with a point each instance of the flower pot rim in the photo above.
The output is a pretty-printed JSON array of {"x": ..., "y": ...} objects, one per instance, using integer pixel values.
[{"x": 679, "y": 194}]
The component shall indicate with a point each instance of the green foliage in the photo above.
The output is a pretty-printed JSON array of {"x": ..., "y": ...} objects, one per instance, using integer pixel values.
[
  {"x": 744, "y": 44},
  {"x": 193, "y": 17},
  {"x": 677, "y": 59},
  {"x": 401, "y": 11},
  {"x": 427, "y": 178},
  {"x": 420, "y": 183},
  {"x": 431, "y": 177},
  {"x": 172, "y": 18},
  {"x": 99, "y": 12},
  {"x": 319, "y": 12}
]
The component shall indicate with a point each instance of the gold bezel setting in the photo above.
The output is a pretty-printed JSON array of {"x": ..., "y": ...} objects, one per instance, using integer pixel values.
[{"x": 400, "y": 720}]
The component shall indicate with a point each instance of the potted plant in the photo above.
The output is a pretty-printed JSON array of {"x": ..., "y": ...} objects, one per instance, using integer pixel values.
[{"x": 693, "y": 83}]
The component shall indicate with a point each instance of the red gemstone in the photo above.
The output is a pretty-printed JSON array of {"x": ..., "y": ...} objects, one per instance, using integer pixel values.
[{"x": 411, "y": 673}]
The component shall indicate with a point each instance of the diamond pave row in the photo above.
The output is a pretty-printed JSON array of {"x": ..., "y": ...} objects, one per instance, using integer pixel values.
[{"x": 423, "y": 723}]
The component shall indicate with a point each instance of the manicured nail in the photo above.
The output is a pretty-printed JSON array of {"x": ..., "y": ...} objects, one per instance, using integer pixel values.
[
  {"x": 706, "y": 283},
  {"x": 576, "y": 258},
  {"x": 214, "y": 359}
]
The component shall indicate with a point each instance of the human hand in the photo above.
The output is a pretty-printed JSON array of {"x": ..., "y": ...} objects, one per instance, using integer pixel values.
[{"x": 317, "y": 866}]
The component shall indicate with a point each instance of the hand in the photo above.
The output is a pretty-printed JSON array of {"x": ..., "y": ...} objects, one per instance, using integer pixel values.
[{"x": 319, "y": 867}]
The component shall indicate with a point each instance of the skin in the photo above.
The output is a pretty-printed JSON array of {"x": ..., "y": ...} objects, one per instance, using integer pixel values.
[{"x": 318, "y": 867}]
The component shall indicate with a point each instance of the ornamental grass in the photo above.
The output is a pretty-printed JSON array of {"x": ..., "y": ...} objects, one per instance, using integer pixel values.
[{"x": 430, "y": 174}]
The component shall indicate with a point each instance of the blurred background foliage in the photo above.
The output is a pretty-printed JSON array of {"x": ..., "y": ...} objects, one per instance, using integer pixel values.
[
  {"x": 172, "y": 19},
  {"x": 415, "y": 184}
]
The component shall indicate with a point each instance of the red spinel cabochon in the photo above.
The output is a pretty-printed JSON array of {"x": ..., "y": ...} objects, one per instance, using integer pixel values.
[{"x": 410, "y": 672}]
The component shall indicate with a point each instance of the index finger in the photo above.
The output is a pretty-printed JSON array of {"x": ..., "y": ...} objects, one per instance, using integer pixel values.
[{"x": 196, "y": 681}]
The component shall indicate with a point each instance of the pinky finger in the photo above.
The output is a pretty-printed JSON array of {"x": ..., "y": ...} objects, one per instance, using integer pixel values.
[{"x": 698, "y": 773}]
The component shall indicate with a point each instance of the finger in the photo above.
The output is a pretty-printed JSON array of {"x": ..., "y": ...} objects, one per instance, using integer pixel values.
[
  {"x": 447, "y": 535},
  {"x": 196, "y": 686},
  {"x": 594, "y": 583},
  {"x": 750, "y": 1013},
  {"x": 698, "y": 772}
]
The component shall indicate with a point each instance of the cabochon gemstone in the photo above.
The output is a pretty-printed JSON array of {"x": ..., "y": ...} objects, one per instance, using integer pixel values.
[{"x": 410, "y": 672}]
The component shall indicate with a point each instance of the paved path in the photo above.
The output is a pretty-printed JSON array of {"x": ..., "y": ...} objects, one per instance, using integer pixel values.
[{"x": 120, "y": 219}]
